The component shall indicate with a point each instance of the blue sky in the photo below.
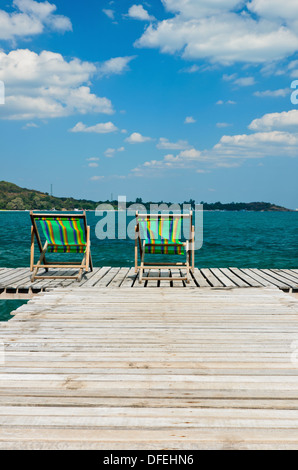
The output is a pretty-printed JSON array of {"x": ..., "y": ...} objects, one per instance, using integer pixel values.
[{"x": 164, "y": 100}]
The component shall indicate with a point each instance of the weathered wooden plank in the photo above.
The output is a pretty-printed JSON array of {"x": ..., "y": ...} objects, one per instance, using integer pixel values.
[
  {"x": 129, "y": 279},
  {"x": 51, "y": 282},
  {"x": 91, "y": 281},
  {"x": 226, "y": 281},
  {"x": 141, "y": 413},
  {"x": 200, "y": 280},
  {"x": 107, "y": 278},
  {"x": 151, "y": 367},
  {"x": 284, "y": 280},
  {"x": 113, "y": 439},
  {"x": 271, "y": 277},
  {"x": 175, "y": 273},
  {"x": 119, "y": 278},
  {"x": 19, "y": 278},
  {"x": 251, "y": 277},
  {"x": 88, "y": 276},
  {"x": 200, "y": 403},
  {"x": 286, "y": 275},
  {"x": 236, "y": 279},
  {"x": 164, "y": 273},
  {"x": 7, "y": 272},
  {"x": 142, "y": 284},
  {"x": 191, "y": 282},
  {"x": 152, "y": 273},
  {"x": 291, "y": 272},
  {"x": 13, "y": 274},
  {"x": 214, "y": 282}
]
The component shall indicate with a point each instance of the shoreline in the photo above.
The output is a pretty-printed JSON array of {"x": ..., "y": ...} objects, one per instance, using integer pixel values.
[{"x": 119, "y": 210}]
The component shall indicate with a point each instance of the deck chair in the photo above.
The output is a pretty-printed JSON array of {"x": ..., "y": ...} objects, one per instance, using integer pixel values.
[
  {"x": 63, "y": 233},
  {"x": 160, "y": 234}
]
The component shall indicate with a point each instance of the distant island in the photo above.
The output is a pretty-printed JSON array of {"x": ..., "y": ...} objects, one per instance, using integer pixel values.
[{"x": 13, "y": 197}]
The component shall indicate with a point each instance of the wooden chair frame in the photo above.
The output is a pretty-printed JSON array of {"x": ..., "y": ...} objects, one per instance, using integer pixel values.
[
  {"x": 140, "y": 246},
  {"x": 84, "y": 265}
]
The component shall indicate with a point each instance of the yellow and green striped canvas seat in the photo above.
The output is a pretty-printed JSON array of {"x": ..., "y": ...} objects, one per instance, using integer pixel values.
[
  {"x": 60, "y": 233},
  {"x": 162, "y": 235},
  {"x": 64, "y": 235}
]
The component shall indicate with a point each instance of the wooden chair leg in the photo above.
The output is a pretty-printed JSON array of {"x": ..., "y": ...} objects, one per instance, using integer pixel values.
[
  {"x": 84, "y": 266},
  {"x": 41, "y": 259},
  {"x": 32, "y": 250},
  {"x": 87, "y": 260},
  {"x": 136, "y": 258},
  {"x": 193, "y": 249},
  {"x": 142, "y": 264},
  {"x": 187, "y": 262}
]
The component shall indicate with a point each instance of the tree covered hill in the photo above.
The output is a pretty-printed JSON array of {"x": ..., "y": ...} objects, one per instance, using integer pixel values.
[{"x": 13, "y": 197}]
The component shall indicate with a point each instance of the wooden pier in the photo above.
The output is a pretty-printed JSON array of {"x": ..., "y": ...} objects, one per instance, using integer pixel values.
[
  {"x": 16, "y": 284},
  {"x": 169, "y": 368}
]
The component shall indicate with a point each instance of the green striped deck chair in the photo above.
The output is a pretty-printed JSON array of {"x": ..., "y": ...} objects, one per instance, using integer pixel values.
[
  {"x": 161, "y": 234},
  {"x": 61, "y": 233}
]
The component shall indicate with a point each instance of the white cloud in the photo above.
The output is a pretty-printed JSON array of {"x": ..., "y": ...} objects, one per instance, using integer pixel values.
[
  {"x": 222, "y": 124},
  {"x": 232, "y": 150},
  {"x": 228, "y": 78},
  {"x": 282, "y": 92},
  {"x": 110, "y": 152},
  {"x": 245, "y": 81},
  {"x": 286, "y": 119},
  {"x": 165, "y": 144},
  {"x": 46, "y": 85},
  {"x": 96, "y": 178},
  {"x": 220, "y": 102},
  {"x": 137, "y": 138},
  {"x": 293, "y": 68},
  {"x": 189, "y": 120},
  {"x": 190, "y": 153},
  {"x": 31, "y": 18},
  {"x": 92, "y": 159},
  {"x": 247, "y": 141},
  {"x": 214, "y": 31},
  {"x": 115, "y": 66},
  {"x": 110, "y": 13},
  {"x": 137, "y": 12},
  {"x": 101, "y": 128},
  {"x": 242, "y": 81},
  {"x": 192, "y": 69},
  {"x": 93, "y": 164},
  {"x": 199, "y": 9},
  {"x": 275, "y": 9},
  {"x": 185, "y": 159},
  {"x": 30, "y": 125},
  {"x": 258, "y": 145}
]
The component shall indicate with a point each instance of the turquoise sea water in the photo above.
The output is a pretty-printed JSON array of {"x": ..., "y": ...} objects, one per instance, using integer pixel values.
[{"x": 230, "y": 239}]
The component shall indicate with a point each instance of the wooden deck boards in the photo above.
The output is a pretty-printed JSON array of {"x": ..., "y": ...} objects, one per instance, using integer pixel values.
[
  {"x": 15, "y": 283},
  {"x": 169, "y": 368}
]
